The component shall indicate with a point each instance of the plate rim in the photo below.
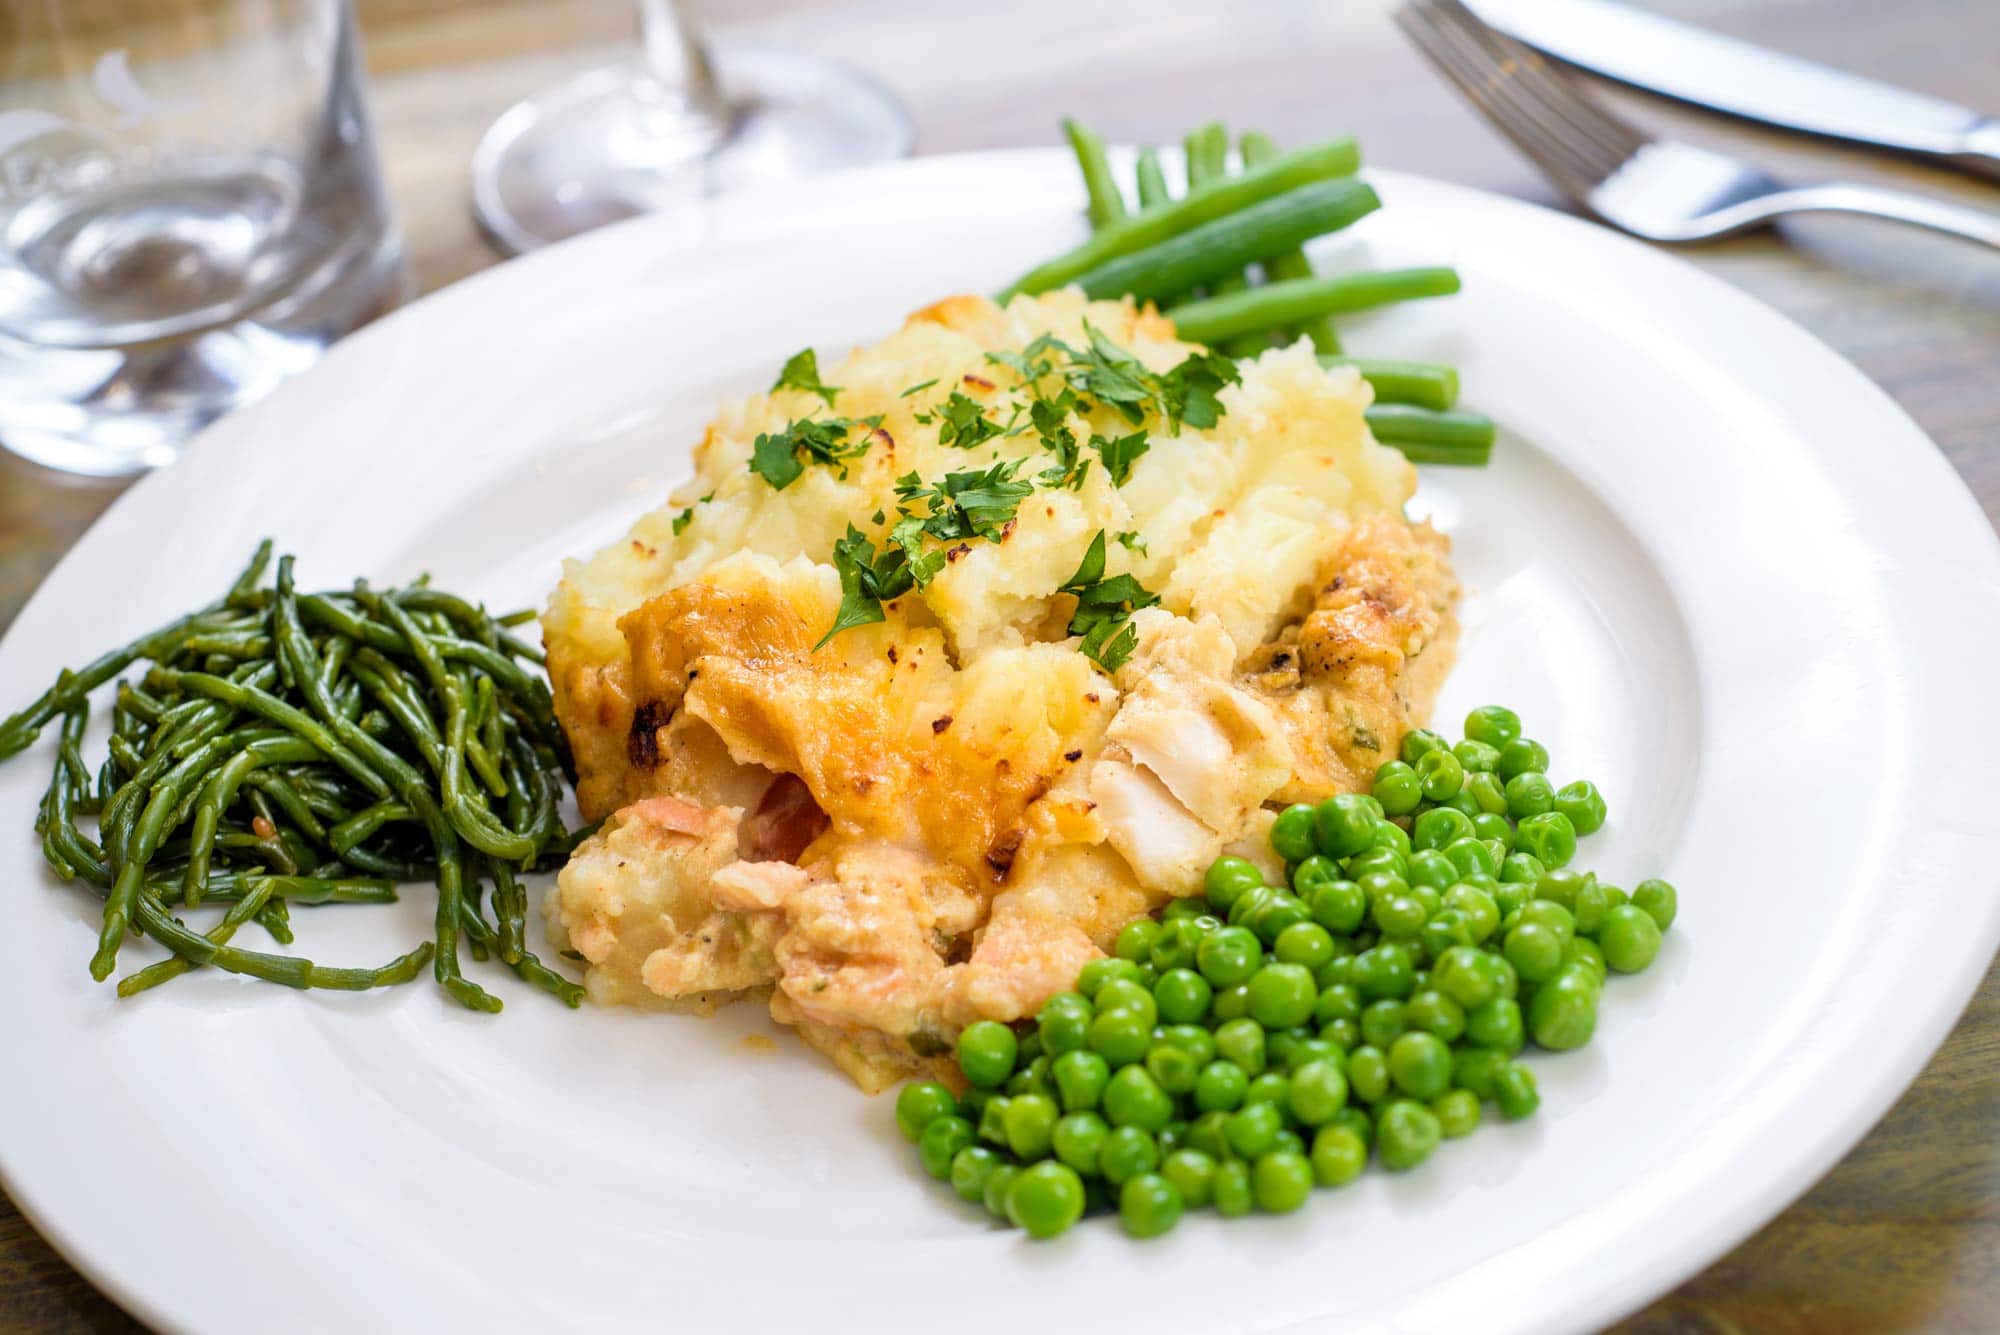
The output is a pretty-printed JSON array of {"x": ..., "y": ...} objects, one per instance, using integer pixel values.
[{"x": 1810, "y": 1157}]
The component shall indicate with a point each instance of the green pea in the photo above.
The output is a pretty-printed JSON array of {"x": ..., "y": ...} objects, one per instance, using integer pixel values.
[
  {"x": 1397, "y": 788},
  {"x": 1242, "y": 1041},
  {"x": 1457, "y": 1113},
  {"x": 1472, "y": 857},
  {"x": 1405, "y": 1134},
  {"x": 1420, "y": 1064},
  {"x": 1134, "y": 1098},
  {"x": 1194, "y": 1039},
  {"x": 1344, "y": 824},
  {"x": 1064, "y": 1023},
  {"x": 1173, "y": 1068},
  {"x": 940, "y": 1143},
  {"x": 1514, "y": 1090},
  {"x": 970, "y": 1168},
  {"x": 1522, "y": 869},
  {"x": 1440, "y": 774},
  {"x": 1523, "y": 755},
  {"x": 1659, "y": 900},
  {"x": 1418, "y": 741},
  {"x": 1121, "y": 1036},
  {"x": 1126, "y": 994},
  {"x": 1583, "y": 804},
  {"x": 999, "y": 1185},
  {"x": 1535, "y": 951},
  {"x": 1281, "y": 1180},
  {"x": 1338, "y": 1156},
  {"x": 1192, "y": 1173},
  {"x": 1282, "y": 995},
  {"x": 1435, "y": 1013},
  {"x": 1251, "y": 903},
  {"x": 1477, "y": 907},
  {"x": 1314, "y": 872},
  {"x": 1078, "y": 1139},
  {"x": 1135, "y": 940},
  {"x": 1182, "y": 996},
  {"x": 1318, "y": 1090},
  {"x": 1491, "y": 798},
  {"x": 1494, "y": 725},
  {"x": 1253, "y": 1128},
  {"x": 1231, "y": 1003},
  {"x": 1128, "y": 1151},
  {"x": 920, "y": 1103},
  {"x": 1497, "y": 1025},
  {"x": 1273, "y": 1086},
  {"x": 1205, "y": 1133},
  {"x": 1476, "y": 757},
  {"x": 1338, "y": 971},
  {"x": 1356, "y": 1119},
  {"x": 1430, "y": 867},
  {"x": 986, "y": 1053},
  {"x": 1560, "y": 885},
  {"x": 1220, "y": 1087},
  {"x": 1080, "y": 1078},
  {"x": 972, "y": 1103},
  {"x": 1377, "y": 859},
  {"x": 1440, "y": 827},
  {"x": 1030, "y": 1124},
  {"x": 1529, "y": 794},
  {"x": 1292, "y": 832},
  {"x": 1549, "y": 836},
  {"x": 1032, "y": 1078},
  {"x": 1592, "y": 902},
  {"x": 1227, "y": 879},
  {"x": 1233, "y": 1195},
  {"x": 1581, "y": 952},
  {"x": 1399, "y": 916},
  {"x": 1547, "y": 913},
  {"x": 1339, "y": 906},
  {"x": 1563, "y": 1013},
  {"x": 1368, "y": 1073},
  {"x": 1046, "y": 1199},
  {"x": 1386, "y": 970},
  {"x": 1383, "y": 1022},
  {"x": 1337, "y": 1002},
  {"x": 1314, "y": 1049},
  {"x": 1342, "y": 1034},
  {"x": 1178, "y": 944},
  {"x": 1228, "y": 956},
  {"x": 1097, "y": 973},
  {"x": 1474, "y": 1069},
  {"x": 1630, "y": 938},
  {"x": 1393, "y": 837},
  {"x": 1306, "y": 944},
  {"x": 1281, "y": 912}
]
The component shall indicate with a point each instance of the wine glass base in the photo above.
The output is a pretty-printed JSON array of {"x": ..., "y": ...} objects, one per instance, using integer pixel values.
[{"x": 613, "y": 144}]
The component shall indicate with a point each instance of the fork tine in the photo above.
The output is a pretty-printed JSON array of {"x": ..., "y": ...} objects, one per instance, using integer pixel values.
[
  {"x": 1475, "y": 73},
  {"x": 1555, "y": 88},
  {"x": 1550, "y": 95}
]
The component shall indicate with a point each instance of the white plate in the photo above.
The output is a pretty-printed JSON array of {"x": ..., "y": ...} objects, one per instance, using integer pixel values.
[{"x": 1717, "y": 570}]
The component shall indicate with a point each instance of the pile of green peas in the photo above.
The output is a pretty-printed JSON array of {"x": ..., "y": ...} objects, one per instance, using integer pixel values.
[{"x": 1259, "y": 1040}]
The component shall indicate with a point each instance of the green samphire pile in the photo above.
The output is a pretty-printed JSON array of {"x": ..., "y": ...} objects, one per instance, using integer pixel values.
[{"x": 1260, "y": 1040}]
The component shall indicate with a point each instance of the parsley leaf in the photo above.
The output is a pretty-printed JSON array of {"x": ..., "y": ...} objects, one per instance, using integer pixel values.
[
  {"x": 917, "y": 389},
  {"x": 775, "y": 458},
  {"x": 1131, "y": 541},
  {"x": 686, "y": 517},
  {"x": 802, "y": 372},
  {"x": 1050, "y": 418},
  {"x": 1188, "y": 393},
  {"x": 1112, "y": 376},
  {"x": 1104, "y": 609},
  {"x": 964, "y": 423},
  {"x": 866, "y": 582},
  {"x": 973, "y": 504},
  {"x": 1120, "y": 454}
]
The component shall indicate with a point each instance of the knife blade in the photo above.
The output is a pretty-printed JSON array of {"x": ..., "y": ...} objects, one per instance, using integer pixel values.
[{"x": 1723, "y": 74}]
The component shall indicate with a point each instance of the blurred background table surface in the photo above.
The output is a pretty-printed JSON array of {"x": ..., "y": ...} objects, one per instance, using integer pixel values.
[{"x": 1905, "y": 1233}]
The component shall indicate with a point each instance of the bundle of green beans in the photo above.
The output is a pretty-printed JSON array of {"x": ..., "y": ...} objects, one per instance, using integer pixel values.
[
  {"x": 1196, "y": 256},
  {"x": 282, "y": 748}
]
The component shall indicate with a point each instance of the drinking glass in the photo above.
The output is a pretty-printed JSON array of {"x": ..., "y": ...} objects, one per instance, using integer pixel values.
[
  {"x": 190, "y": 210},
  {"x": 682, "y": 119}
]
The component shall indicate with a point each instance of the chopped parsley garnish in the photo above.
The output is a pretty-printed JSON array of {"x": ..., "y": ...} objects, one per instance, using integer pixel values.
[
  {"x": 1189, "y": 392},
  {"x": 1104, "y": 609},
  {"x": 802, "y": 372},
  {"x": 866, "y": 581},
  {"x": 1050, "y": 418},
  {"x": 1130, "y": 541},
  {"x": 686, "y": 517},
  {"x": 1120, "y": 454},
  {"x": 917, "y": 389},
  {"x": 974, "y": 504},
  {"x": 821, "y": 440},
  {"x": 962, "y": 422}
]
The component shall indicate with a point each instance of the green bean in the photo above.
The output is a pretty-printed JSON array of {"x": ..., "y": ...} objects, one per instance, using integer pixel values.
[
  {"x": 1106, "y": 204},
  {"x": 1334, "y": 157},
  {"x": 244, "y": 592},
  {"x": 292, "y": 803},
  {"x": 1422, "y": 384},
  {"x": 220, "y": 790},
  {"x": 1278, "y": 304},
  {"x": 1216, "y": 252},
  {"x": 1258, "y": 148},
  {"x": 242, "y": 911},
  {"x": 1206, "y": 150},
  {"x": 1434, "y": 438},
  {"x": 510, "y": 909},
  {"x": 488, "y": 630},
  {"x": 365, "y": 823},
  {"x": 528, "y": 968},
  {"x": 1152, "y": 181},
  {"x": 229, "y": 887},
  {"x": 252, "y": 700},
  {"x": 276, "y": 920}
]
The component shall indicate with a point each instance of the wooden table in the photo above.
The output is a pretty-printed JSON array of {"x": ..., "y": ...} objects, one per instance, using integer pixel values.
[{"x": 1903, "y": 1235}]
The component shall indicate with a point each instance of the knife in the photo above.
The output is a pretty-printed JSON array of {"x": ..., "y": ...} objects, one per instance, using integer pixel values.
[{"x": 1720, "y": 73}]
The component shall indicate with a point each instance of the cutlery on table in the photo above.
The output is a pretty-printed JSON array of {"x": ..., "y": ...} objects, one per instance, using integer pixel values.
[
  {"x": 1659, "y": 189},
  {"x": 1718, "y": 73}
]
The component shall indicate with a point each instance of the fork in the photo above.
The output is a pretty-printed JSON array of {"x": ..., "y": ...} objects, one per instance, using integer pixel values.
[{"x": 1660, "y": 189}]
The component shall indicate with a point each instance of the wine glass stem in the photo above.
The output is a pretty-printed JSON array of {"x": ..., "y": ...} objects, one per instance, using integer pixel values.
[{"x": 675, "y": 56}]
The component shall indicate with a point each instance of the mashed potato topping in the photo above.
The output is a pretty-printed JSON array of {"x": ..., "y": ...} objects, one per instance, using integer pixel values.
[{"x": 939, "y": 816}]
